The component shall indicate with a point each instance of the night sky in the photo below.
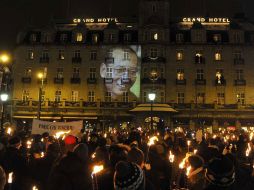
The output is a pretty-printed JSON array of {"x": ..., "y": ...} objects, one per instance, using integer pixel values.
[{"x": 17, "y": 14}]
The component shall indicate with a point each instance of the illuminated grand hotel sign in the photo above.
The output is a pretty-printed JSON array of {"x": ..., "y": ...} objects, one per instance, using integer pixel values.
[
  {"x": 94, "y": 20},
  {"x": 203, "y": 20}
]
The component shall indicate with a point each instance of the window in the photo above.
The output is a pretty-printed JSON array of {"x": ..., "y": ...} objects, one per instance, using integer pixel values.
[
  {"x": 74, "y": 96},
  {"x": 61, "y": 54},
  {"x": 91, "y": 96},
  {"x": 217, "y": 56},
  {"x": 28, "y": 72},
  {"x": 179, "y": 38},
  {"x": 111, "y": 37},
  {"x": 198, "y": 58},
  {"x": 144, "y": 96},
  {"x": 126, "y": 55},
  {"x": 238, "y": 55},
  {"x": 162, "y": 72},
  {"x": 200, "y": 98},
  {"x": 240, "y": 98},
  {"x": 180, "y": 98},
  {"x": 45, "y": 54},
  {"x": 155, "y": 36},
  {"x": 236, "y": 38},
  {"x": 217, "y": 37},
  {"x": 92, "y": 73},
  {"x": 200, "y": 74},
  {"x": 76, "y": 72},
  {"x": 63, "y": 37},
  {"x": 58, "y": 95},
  {"x": 25, "y": 95},
  {"x": 125, "y": 96},
  {"x": 79, "y": 37},
  {"x": 30, "y": 54},
  {"x": 59, "y": 73},
  {"x": 33, "y": 38},
  {"x": 46, "y": 38},
  {"x": 110, "y": 53},
  {"x": 77, "y": 54},
  {"x": 198, "y": 36},
  {"x": 180, "y": 74},
  {"x": 179, "y": 55},
  {"x": 109, "y": 72},
  {"x": 219, "y": 76},
  {"x": 93, "y": 55},
  {"x": 95, "y": 38},
  {"x": 162, "y": 97},
  {"x": 108, "y": 97},
  {"x": 220, "y": 98},
  {"x": 42, "y": 95},
  {"x": 239, "y": 74},
  {"x": 145, "y": 72},
  {"x": 154, "y": 52},
  {"x": 127, "y": 37},
  {"x": 154, "y": 8}
]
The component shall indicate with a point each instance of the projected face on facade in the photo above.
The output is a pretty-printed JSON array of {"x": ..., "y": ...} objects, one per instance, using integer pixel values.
[{"x": 119, "y": 70}]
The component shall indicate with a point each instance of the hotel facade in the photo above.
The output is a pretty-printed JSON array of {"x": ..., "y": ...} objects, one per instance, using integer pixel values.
[{"x": 202, "y": 67}]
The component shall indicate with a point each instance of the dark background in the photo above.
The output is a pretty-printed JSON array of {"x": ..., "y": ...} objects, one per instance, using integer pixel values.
[{"x": 18, "y": 14}]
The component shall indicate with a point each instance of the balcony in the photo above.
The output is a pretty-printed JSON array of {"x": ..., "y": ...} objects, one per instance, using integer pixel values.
[
  {"x": 149, "y": 81},
  {"x": 75, "y": 80},
  {"x": 156, "y": 59},
  {"x": 91, "y": 80},
  {"x": 125, "y": 80},
  {"x": 58, "y": 80},
  {"x": 108, "y": 80},
  {"x": 109, "y": 60},
  {"x": 200, "y": 82},
  {"x": 221, "y": 82},
  {"x": 44, "y": 59},
  {"x": 199, "y": 60},
  {"x": 40, "y": 81},
  {"x": 241, "y": 82},
  {"x": 238, "y": 61},
  {"x": 72, "y": 104},
  {"x": 76, "y": 60},
  {"x": 181, "y": 82},
  {"x": 26, "y": 79}
]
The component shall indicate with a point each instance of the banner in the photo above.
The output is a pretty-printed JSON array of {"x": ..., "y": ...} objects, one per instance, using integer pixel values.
[{"x": 52, "y": 128}]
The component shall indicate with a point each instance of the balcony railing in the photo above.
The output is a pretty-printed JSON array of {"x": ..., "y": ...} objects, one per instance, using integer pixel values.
[
  {"x": 72, "y": 104},
  {"x": 91, "y": 80},
  {"x": 109, "y": 60},
  {"x": 76, "y": 60},
  {"x": 44, "y": 59},
  {"x": 149, "y": 81},
  {"x": 156, "y": 59},
  {"x": 26, "y": 79},
  {"x": 181, "y": 82},
  {"x": 221, "y": 82},
  {"x": 125, "y": 80},
  {"x": 200, "y": 82},
  {"x": 108, "y": 80},
  {"x": 241, "y": 82},
  {"x": 75, "y": 80},
  {"x": 199, "y": 60},
  {"x": 239, "y": 61},
  {"x": 39, "y": 81},
  {"x": 58, "y": 80}
]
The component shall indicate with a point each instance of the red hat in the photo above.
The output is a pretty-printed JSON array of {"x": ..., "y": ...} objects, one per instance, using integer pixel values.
[{"x": 70, "y": 139}]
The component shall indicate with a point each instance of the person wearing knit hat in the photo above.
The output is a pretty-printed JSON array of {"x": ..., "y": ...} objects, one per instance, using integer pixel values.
[
  {"x": 70, "y": 142},
  {"x": 196, "y": 177},
  {"x": 128, "y": 176},
  {"x": 220, "y": 173}
]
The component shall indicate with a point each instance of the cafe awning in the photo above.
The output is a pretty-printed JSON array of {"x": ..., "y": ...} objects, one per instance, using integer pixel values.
[{"x": 155, "y": 108}]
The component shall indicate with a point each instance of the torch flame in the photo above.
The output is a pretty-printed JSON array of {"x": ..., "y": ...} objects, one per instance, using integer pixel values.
[
  {"x": 93, "y": 155},
  {"x": 171, "y": 157},
  {"x": 151, "y": 140},
  {"x": 188, "y": 169},
  {"x": 247, "y": 152},
  {"x": 188, "y": 143},
  {"x": 195, "y": 151},
  {"x": 29, "y": 144},
  {"x": 9, "y": 130},
  {"x": 182, "y": 164},
  {"x": 10, "y": 177},
  {"x": 35, "y": 188},
  {"x": 60, "y": 133},
  {"x": 97, "y": 169},
  {"x": 42, "y": 154}
]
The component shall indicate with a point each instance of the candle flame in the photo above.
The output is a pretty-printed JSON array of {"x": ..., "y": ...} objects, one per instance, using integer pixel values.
[
  {"x": 97, "y": 169},
  {"x": 10, "y": 177},
  {"x": 171, "y": 157},
  {"x": 151, "y": 140}
]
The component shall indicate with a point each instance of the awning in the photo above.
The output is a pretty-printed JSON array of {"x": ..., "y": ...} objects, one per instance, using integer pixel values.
[{"x": 155, "y": 108}]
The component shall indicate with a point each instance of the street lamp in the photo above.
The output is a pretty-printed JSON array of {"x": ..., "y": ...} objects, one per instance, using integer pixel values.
[
  {"x": 4, "y": 97},
  {"x": 151, "y": 97},
  {"x": 41, "y": 78}
]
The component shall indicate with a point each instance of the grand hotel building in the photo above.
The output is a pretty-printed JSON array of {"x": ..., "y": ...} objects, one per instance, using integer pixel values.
[{"x": 204, "y": 69}]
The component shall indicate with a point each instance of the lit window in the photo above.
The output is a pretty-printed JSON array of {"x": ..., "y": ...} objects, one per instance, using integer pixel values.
[
  {"x": 58, "y": 95},
  {"x": 30, "y": 54},
  {"x": 74, "y": 96},
  {"x": 79, "y": 37},
  {"x": 91, "y": 96},
  {"x": 25, "y": 95},
  {"x": 126, "y": 55},
  {"x": 108, "y": 96},
  {"x": 220, "y": 98},
  {"x": 125, "y": 97},
  {"x": 59, "y": 73},
  {"x": 180, "y": 74},
  {"x": 155, "y": 36},
  {"x": 240, "y": 98},
  {"x": 92, "y": 73},
  {"x": 61, "y": 54},
  {"x": 217, "y": 56},
  {"x": 217, "y": 38},
  {"x": 109, "y": 72},
  {"x": 180, "y": 98},
  {"x": 179, "y": 55}
]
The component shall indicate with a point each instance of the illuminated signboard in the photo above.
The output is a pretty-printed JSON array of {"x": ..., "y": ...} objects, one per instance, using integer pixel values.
[
  {"x": 94, "y": 20},
  {"x": 206, "y": 20}
]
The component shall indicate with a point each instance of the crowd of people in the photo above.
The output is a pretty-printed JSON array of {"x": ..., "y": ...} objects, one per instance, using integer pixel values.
[{"x": 127, "y": 160}]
